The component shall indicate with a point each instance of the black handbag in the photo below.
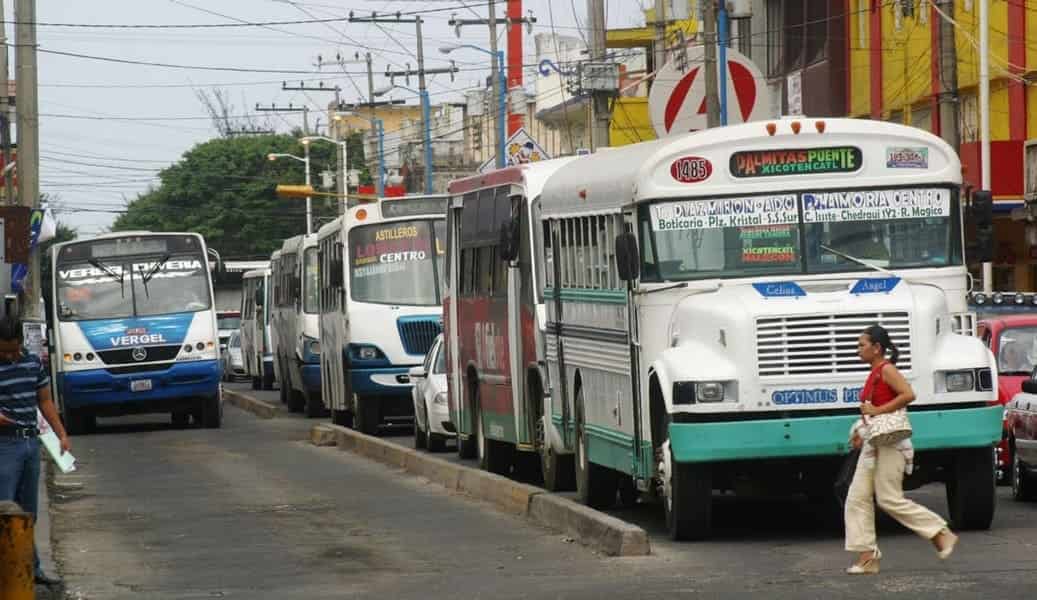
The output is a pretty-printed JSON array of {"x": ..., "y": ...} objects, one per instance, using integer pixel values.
[{"x": 844, "y": 477}]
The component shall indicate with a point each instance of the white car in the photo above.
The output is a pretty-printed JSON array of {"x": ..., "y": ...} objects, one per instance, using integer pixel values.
[
  {"x": 233, "y": 363},
  {"x": 432, "y": 425}
]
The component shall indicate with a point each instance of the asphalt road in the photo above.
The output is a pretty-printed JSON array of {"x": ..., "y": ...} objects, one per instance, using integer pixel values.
[{"x": 252, "y": 511}]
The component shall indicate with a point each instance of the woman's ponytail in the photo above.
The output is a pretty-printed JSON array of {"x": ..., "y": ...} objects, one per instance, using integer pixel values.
[{"x": 878, "y": 334}]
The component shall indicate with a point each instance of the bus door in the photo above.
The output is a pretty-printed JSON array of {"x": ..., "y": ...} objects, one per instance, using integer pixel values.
[
  {"x": 453, "y": 327},
  {"x": 643, "y": 461},
  {"x": 519, "y": 280},
  {"x": 560, "y": 393}
]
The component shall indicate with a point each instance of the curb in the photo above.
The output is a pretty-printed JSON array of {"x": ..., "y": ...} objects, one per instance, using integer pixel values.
[
  {"x": 591, "y": 528},
  {"x": 263, "y": 410}
]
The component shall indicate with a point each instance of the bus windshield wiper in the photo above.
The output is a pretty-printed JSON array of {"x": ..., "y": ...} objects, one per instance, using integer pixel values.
[
  {"x": 146, "y": 277},
  {"x": 120, "y": 277},
  {"x": 859, "y": 261}
]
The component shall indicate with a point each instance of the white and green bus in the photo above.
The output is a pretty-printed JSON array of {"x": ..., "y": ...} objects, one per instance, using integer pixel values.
[{"x": 704, "y": 297}]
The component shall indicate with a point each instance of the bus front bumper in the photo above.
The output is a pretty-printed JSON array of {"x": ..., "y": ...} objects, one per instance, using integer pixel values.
[
  {"x": 98, "y": 387},
  {"x": 944, "y": 428},
  {"x": 384, "y": 381}
]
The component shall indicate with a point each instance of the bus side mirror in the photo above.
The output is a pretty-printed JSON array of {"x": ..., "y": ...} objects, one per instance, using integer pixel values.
[
  {"x": 628, "y": 259},
  {"x": 983, "y": 215},
  {"x": 509, "y": 239}
]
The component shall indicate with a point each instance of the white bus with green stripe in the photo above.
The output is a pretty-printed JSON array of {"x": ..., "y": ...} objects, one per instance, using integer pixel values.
[{"x": 704, "y": 295}]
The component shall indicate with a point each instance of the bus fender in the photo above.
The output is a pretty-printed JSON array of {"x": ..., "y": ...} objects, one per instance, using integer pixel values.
[{"x": 691, "y": 361}]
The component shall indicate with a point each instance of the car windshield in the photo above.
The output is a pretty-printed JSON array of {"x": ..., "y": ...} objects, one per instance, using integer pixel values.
[
  {"x": 117, "y": 287},
  {"x": 1017, "y": 351},
  {"x": 808, "y": 233},
  {"x": 396, "y": 263}
]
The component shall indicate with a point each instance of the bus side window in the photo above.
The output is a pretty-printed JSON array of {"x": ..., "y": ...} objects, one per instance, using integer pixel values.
[
  {"x": 484, "y": 270},
  {"x": 649, "y": 270},
  {"x": 500, "y": 272}
]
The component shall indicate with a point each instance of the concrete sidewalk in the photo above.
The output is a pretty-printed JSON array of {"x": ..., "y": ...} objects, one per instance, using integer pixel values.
[{"x": 44, "y": 536}]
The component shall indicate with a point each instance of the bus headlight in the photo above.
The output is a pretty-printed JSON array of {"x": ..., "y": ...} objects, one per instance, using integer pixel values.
[
  {"x": 367, "y": 352},
  {"x": 960, "y": 381},
  {"x": 709, "y": 391}
]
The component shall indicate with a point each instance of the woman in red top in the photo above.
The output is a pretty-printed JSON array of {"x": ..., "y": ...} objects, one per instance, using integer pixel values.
[{"x": 880, "y": 469}]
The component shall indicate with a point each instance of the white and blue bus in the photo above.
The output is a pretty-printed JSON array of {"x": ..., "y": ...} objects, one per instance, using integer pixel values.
[
  {"x": 135, "y": 328},
  {"x": 294, "y": 326},
  {"x": 381, "y": 288},
  {"x": 255, "y": 328}
]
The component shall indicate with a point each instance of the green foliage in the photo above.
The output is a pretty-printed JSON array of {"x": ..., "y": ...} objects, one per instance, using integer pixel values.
[{"x": 224, "y": 190}]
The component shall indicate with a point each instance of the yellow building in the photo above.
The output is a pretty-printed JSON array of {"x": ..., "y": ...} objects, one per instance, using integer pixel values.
[{"x": 894, "y": 75}]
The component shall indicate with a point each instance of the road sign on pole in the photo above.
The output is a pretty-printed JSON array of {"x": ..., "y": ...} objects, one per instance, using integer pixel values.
[{"x": 677, "y": 100}]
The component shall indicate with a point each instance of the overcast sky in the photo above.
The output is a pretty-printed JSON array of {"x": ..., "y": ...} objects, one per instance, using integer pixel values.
[{"x": 107, "y": 128}]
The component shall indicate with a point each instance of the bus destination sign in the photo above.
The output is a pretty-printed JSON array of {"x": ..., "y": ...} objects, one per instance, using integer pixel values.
[{"x": 810, "y": 161}]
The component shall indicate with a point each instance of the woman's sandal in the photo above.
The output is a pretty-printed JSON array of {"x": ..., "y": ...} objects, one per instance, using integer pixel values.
[{"x": 868, "y": 567}]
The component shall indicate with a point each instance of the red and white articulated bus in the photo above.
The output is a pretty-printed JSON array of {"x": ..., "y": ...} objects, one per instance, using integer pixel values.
[{"x": 493, "y": 323}]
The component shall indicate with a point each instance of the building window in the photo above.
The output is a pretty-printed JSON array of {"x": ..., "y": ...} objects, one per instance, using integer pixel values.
[{"x": 774, "y": 37}]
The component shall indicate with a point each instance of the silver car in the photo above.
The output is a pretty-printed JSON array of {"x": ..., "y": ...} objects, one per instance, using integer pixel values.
[
  {"x": 233, "y": 363},
  {"x": 432, "y": 425}
]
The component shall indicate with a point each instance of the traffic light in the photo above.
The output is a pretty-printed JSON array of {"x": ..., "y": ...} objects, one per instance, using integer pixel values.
[
  {"x": 983, "y": 217},
  {"x": 295, "y": 191}
]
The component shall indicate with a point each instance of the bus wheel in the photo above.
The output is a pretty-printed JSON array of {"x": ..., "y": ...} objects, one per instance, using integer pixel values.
[
  {"x": 80, "y": 421},
  {"x": 559, "y": 470},
  {"x": 282, "y": 384},
  {"x": 256, "y": 383},
  {"x": 211, "y": 412},
  {"x": 342, "y": 417},
  {"x": 367, "y": 417},
  {"x": 689, "y": 498},
  {"x": 314, "y": 406},
  {"x": 595, "y": 485},
  {"x": 627, "y": 492},
  {"x": 493, "y": 455},
  {"x": 268, "y": 380},
  {"x": 971, "y": 490},
  {"x": 296, "y": 400},
  {"x": 181, "y": 418}
]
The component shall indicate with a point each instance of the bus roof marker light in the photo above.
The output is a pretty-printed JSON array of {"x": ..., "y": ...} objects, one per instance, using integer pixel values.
[
  {"x": 771, "y": 128},
  {"x": 820, "y": 126},
  {"x": 361, "y": 214},
  {"x": 796, "y": 127},
  {"x": 582, "y": 194}
]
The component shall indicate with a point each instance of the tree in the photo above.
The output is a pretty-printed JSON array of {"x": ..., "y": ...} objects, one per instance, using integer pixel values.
[{"x": 224, "y": 190}]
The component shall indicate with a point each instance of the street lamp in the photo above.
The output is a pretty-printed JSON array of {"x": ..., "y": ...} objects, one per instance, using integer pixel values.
[
  {"x": 501, "y": 86},
  {"x": 426, "y": 119},
  {"x": 305, "y": 160},
  {"x": 342, "y": 157},
  {"x": 379, "y": 130}
]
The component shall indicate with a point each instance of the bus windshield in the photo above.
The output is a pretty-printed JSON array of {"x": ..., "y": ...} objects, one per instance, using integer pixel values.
[
  {"x": 396, "y": 263},
  {"x": 137, "y": 286},
  {"x": 807, "y": 233}
]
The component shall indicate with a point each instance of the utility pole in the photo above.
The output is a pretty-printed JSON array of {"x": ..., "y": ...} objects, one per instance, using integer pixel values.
[
  {"x": 28, "y": 139},
  {"x": 659, "y": 54},
  {"x": 984, "y": 119},
  {"x": 599, "y": 98},
  {"x": 948, "y": 80},
  {"x": 5, "y": 113},
  {"x": 379, "y": 177},
  {"x": 709, "y": 46},
  {"x": 496, "y": 68},
  {"x": 340, "y": 158}
]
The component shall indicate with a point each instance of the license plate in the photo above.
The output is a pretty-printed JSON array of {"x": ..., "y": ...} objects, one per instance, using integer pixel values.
[{"x": 141, "y": 385}]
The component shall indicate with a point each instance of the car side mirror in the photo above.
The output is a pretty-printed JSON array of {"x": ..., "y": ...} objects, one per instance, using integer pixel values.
[
  {"x": 628, "y": 259},
  {"x": 1030, "y": 386},
  {"x": 509, "y": 239},
  {"x": 417, "y": 372}
]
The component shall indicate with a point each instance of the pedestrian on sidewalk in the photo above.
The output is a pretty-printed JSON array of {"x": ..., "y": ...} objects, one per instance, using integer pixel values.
[
  {"x": 881, "y": 468},
  {"x": 24, "y": 387}
]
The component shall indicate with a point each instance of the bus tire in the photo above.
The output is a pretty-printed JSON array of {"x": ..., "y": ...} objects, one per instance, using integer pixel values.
[
  {"x": 314, "y": 406},
  {"x": 971, "y": 488},
  {"x": 79, "y": 421},
  {"x": 256, "y": 383},
  {"x": 268, "y": 380},
  {"x": 180, "y": 419},
  {"x": 466, "y": 446},
  {"x": 296, "y": 400},
  {"x": 596, "y": 486},
  {"x": 689, "y": 505},
  {"x": 559, "y": 470},
  {"x": 211, "y": 412},
  {"x": 367, "y": 417},
  {"x": 627, "y": 492},
  {"x": 494, "y": 456},
  {"x": 282, "y": 384},
  {"x": 435, "y": 442},
  {"x": 342, "y": 418}
]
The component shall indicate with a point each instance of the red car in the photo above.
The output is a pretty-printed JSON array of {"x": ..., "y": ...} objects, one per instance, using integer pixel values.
[{"x": 1013, "y": 340}]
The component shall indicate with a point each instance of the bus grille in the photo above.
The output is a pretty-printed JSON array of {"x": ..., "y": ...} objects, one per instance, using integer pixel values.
[
  {"x": 418, "y": 333},
  {"x": 824, "y": 344},
  {"x": 124, "y": 356}
]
